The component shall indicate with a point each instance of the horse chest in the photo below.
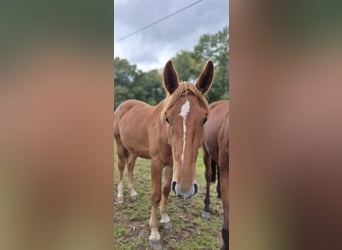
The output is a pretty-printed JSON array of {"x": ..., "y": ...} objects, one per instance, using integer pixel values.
[{"x": 164, "y": 152}]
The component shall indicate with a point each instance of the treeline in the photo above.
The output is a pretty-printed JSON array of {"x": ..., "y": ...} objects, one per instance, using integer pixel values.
[{"x": 132, "y": 83}]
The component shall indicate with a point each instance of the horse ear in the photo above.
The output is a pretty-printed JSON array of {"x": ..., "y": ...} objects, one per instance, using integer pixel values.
[
  {"x": 170, "y": 77},
  {"x": 206, "y": 77}
]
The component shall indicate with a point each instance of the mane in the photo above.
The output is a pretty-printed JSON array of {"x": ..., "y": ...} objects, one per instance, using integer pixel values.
[{"x": 183, "y": 89}]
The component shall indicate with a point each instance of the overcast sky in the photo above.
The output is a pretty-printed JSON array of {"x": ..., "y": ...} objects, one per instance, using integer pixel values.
[{"x": 152, "y": 47}]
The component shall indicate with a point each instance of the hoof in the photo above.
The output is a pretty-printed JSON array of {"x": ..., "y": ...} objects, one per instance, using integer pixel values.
[
  {"x": 225, "y": 247},
  {"x": 133, "y": 197},
  {"x": 225, "y": 238},
  {"x": 166, "y": 225},
  {"x": 155, "y": 244},
  {"x": 120, "y": 199},
  {"x": 206, "y": 215}
]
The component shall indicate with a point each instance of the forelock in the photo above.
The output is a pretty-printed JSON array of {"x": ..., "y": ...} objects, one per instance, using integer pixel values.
[{"x": 183, "y": 89}]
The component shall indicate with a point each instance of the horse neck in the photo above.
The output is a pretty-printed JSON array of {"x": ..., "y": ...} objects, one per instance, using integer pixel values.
[
  {"x": 160, "y": 125},
  {"x": 158, "y": 108}
]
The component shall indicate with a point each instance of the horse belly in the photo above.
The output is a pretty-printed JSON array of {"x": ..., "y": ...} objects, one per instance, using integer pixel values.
[
  {"x": 211, "y": 143},
  {"x": 139, "y": 151}
]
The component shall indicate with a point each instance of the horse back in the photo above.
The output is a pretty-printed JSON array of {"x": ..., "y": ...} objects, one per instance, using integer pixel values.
[{"x": 137, "y": 127}]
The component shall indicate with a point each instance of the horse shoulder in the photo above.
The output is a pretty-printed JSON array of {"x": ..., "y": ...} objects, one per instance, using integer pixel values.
[{"x": 159, "y": 146}]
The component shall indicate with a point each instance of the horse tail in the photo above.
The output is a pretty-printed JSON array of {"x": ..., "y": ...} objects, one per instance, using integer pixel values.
[{"x": 213, "y": 171}]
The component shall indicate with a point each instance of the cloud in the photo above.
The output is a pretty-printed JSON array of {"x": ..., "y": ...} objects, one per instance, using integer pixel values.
[{"x": 152, "y": 47}]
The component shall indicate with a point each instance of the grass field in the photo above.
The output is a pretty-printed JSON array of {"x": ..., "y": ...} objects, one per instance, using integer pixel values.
[{"x": 189, "y": 231}]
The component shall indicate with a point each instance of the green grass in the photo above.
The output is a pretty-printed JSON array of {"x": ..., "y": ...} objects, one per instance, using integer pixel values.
[{"x": 189, "y": 230}]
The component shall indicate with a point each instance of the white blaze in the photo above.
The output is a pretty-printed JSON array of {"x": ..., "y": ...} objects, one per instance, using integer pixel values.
[{"x": 184, "y": 112}]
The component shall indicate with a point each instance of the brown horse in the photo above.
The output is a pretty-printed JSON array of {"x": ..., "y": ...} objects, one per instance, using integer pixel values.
[
  {"x": 216, "y": 149},
  {"x": 169, "y": 134}
]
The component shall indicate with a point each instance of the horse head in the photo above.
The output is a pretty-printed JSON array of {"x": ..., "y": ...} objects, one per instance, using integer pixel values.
[{"x": 185, "y": 112}]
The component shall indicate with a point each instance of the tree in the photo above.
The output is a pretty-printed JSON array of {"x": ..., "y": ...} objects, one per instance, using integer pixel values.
[
  {"x": 215, "y": 47},
  {"x": 131, "y": 83},
  {"x": 185, "y": 64},
  {"x": 148, "y": 87},
  {"x": 209, "y": 47},
  {"x": 124, "y": 75}
]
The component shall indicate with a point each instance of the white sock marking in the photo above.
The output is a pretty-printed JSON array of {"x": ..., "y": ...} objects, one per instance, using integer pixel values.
[
  {"x": 164, "y": 218},
  {"x": 120, "y": 189},
  {"x": 184, "y": 112},
  {"x": 154, "y": 234},
  {"x": 133, "y": 192}
]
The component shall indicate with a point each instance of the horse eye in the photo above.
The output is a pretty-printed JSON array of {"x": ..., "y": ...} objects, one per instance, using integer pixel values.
[
  {"x": 205, "y": 120},
  {"x": 167, "y": 119}
]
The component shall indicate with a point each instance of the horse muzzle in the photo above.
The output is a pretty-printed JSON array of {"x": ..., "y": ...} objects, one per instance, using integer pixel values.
[{"x": 182, "y": 192}]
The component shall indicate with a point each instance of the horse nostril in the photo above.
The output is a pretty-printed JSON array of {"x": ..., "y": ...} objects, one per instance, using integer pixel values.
[
  {"x": 173, "y": 186},
  {"x": 195, "y": 188}
]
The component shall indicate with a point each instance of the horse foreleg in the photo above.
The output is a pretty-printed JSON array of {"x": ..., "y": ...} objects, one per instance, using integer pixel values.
[
  {"x": 121, "y": 166},
  {"x": 130, "y": 167},
  {"x": 165, "y": 220},
  {"x": 207, "y": 163},
  {"x": 156, "y": 177}
]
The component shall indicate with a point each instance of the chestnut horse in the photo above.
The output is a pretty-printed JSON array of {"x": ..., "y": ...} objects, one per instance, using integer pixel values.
[
  {"x": 216, "y": 149},
  {"x": 169, "y": 134}
]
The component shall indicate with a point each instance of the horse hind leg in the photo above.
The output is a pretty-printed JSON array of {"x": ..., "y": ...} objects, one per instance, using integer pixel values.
[
  {"x": 165, "y": 220},
  {"x": 208, "y": 177},
  {"x": 225, "y": 203},
  {"x": 218, "y": 186},
  {"x": 122, "y": 155},
  {"x": 130, "y": 166},
  {"x": 224, "y": 182}
]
